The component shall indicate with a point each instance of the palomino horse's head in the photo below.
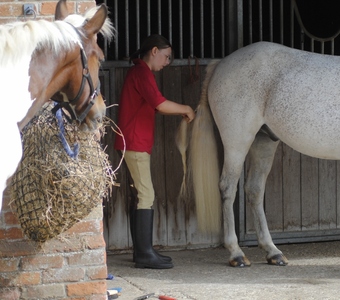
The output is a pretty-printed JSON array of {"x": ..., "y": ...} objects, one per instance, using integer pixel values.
[{"x": 74, "y": 83}]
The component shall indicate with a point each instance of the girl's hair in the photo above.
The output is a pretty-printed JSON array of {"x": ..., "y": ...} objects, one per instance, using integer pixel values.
[{"x": 154, "y": 40}]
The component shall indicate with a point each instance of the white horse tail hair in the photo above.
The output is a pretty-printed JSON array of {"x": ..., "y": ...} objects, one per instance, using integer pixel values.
[{"x": 201, "y": 168}]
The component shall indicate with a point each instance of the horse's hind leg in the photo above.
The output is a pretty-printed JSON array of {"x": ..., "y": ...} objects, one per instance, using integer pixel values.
[
  {"x": 261, "y": 156},
  {"x": 233, "y": 164}
]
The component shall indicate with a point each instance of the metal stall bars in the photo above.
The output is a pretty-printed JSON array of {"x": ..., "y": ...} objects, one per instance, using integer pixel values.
[
  {"x": 281, "y": 22},
  {"x": 204, "y": 29}
]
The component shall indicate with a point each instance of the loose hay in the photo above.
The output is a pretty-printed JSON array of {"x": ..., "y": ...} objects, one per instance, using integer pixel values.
[{"x": 50, "y": 190}]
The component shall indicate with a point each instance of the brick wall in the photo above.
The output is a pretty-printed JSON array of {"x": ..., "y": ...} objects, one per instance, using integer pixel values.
[{"x": 70, "y": 266}]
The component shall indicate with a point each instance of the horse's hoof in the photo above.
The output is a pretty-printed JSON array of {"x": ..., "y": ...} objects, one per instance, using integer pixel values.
[
  {"x": 278, "y": 260},
  {"x": 240, "y": 261}
]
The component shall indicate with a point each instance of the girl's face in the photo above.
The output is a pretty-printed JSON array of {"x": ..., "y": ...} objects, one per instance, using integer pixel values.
[{"x": 158, "y": 58}]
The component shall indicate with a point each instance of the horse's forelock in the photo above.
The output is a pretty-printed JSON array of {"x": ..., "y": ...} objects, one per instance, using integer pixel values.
[
  {"x": 107, "y": 30},
  {"x": 75, "y": 20},
  {"x": 64, "y": 36}
]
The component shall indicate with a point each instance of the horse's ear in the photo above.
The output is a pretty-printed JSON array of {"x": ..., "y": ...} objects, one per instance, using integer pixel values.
[
  {"x": 94, "y": 25},
  {"x": 61, "y": 11}
]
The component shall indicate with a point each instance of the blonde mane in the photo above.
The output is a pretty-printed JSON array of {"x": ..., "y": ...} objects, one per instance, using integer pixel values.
[{"x": 18, "y": 40}]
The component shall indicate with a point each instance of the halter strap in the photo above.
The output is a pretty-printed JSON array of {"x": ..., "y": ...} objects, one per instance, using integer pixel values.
[
  {"x": 91, "y": 99},
  {"x": 86, "y": 76},
  {"x": 93, "y": 92}
]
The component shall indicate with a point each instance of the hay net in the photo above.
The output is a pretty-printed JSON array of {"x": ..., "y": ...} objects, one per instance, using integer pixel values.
[{"x": 51, "y": 191}]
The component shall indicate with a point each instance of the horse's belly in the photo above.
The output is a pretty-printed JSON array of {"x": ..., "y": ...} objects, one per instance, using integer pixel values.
[
  {"x": 309, "y": 133},
  {"x": 315, "y": 149}
]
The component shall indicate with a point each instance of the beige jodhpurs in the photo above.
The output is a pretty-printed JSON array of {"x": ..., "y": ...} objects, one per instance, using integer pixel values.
[{"x": 138, "y": 164}]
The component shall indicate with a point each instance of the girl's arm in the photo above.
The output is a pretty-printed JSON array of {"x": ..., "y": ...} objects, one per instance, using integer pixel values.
[{"x": 172, "y": 108}]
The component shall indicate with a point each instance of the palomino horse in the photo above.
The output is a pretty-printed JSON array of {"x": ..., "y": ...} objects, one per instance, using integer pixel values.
[
  {"x": 41, "y": 60},
  {"x": 258, "y": 95}
]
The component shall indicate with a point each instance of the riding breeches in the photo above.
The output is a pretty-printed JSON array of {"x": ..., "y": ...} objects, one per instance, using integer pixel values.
[{"x": 138, "y": 164}]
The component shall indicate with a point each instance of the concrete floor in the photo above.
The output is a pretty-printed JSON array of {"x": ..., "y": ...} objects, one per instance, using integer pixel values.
[{"x": 313, "y": 273}]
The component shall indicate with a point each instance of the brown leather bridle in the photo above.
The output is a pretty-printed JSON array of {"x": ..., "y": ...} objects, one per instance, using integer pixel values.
[{"x": 90, "y": 100}]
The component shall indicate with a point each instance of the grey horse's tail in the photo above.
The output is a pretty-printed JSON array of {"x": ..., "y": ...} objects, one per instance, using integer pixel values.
[{"x": 201, "y": 169}]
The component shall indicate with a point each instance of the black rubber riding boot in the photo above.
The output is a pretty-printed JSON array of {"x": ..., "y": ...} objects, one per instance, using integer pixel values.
[
  {"x": 145, "y": 255},
  {"x": 132, "y": 230}
]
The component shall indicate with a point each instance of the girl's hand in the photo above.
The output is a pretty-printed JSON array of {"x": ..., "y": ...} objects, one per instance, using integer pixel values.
[{"x": 190, "y": 115}]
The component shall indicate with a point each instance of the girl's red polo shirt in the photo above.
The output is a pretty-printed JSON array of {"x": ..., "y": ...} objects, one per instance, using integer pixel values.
[{"x": 137, "y": 108}]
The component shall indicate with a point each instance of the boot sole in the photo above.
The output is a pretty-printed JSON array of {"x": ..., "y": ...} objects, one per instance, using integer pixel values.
[
  {"x": 166, "y": 259},
  {"x": 146, "y": 266}
]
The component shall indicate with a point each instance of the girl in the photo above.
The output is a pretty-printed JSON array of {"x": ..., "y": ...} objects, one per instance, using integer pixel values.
[{"x": 140, "y": 100}]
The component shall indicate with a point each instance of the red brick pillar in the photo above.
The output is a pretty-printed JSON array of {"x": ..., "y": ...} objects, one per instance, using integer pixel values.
[{"x": 70, "y": 266}]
